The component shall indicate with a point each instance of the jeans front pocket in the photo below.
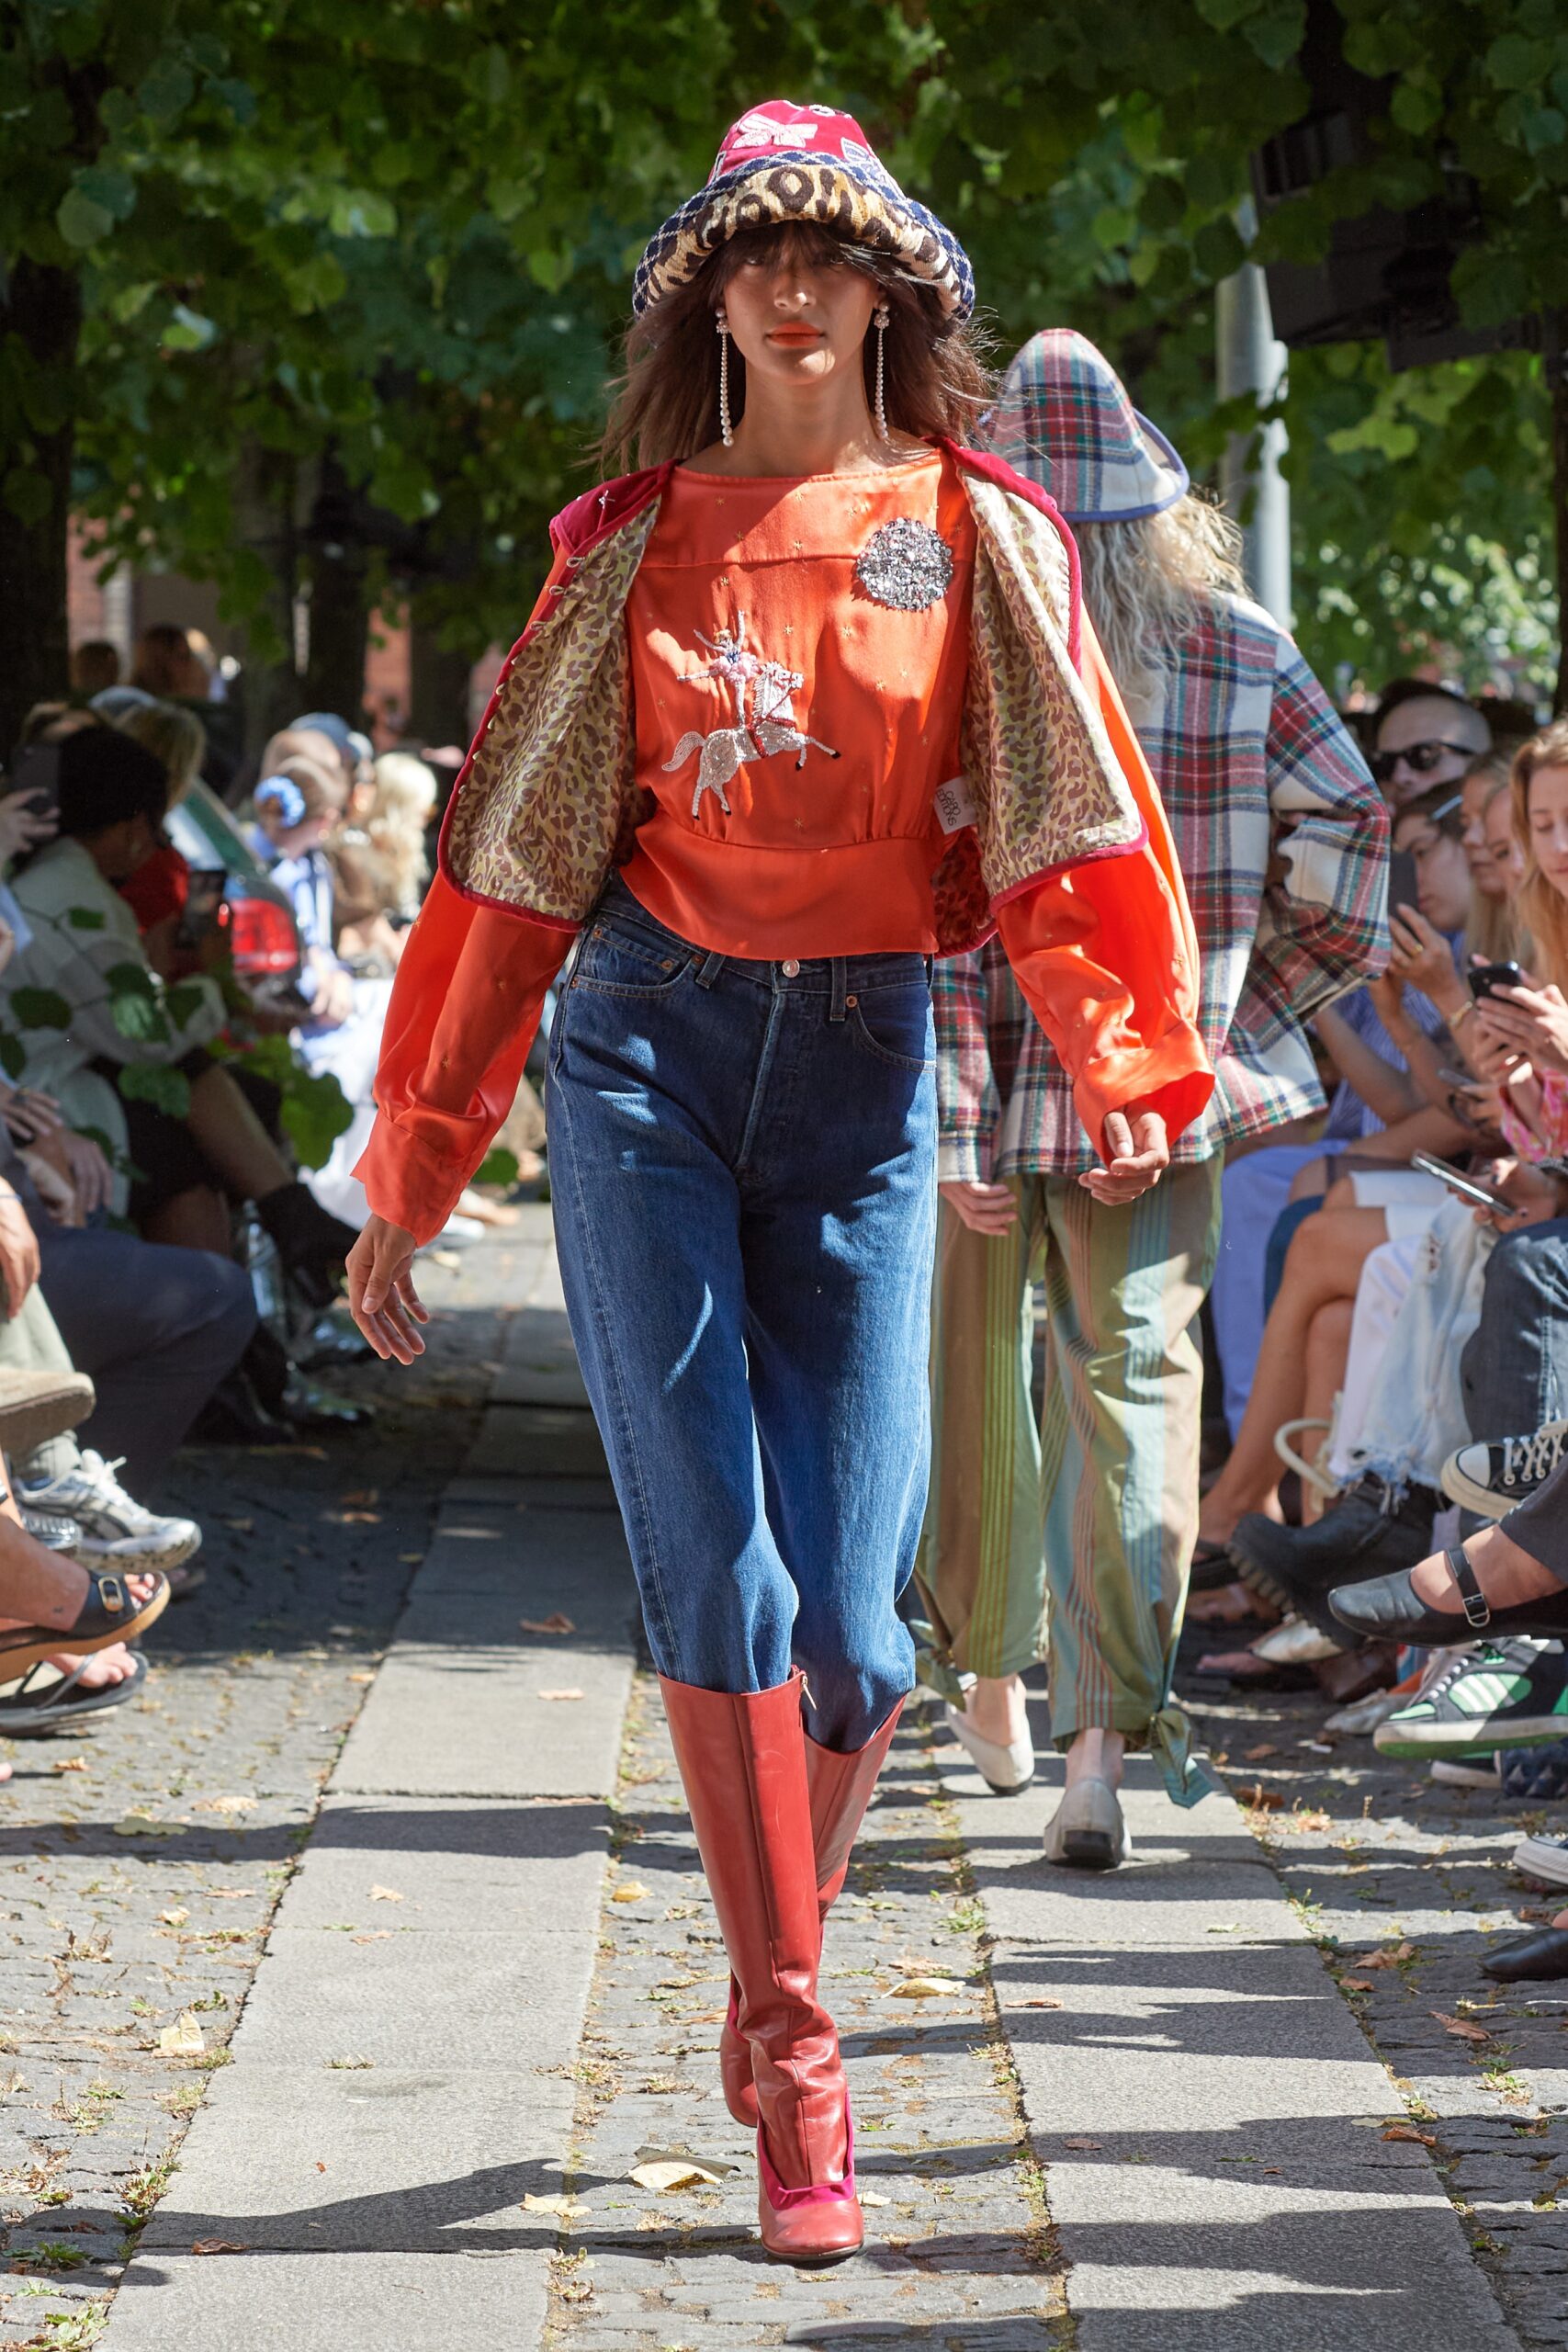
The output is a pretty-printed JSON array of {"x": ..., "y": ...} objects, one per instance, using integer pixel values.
[
  {"x": 894, "y": 1025},
  {"x": 623, "y": 962}
]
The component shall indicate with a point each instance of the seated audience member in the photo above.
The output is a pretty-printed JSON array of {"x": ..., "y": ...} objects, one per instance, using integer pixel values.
[
  {"x": 1424, "y": 735},
  {"x": 95, "y": 664},
  {"x": 400, "y": 815},
  {"x": 1517, "y": 1287},
  {"x": 165, "y": 667},
  {"x": 1491, "y": 935},
  {"x": 112, "y": 795},
  {"x": 158, "y": 889}
]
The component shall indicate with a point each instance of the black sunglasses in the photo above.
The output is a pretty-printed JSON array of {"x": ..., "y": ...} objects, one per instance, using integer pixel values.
[{"x": 1420, "y": 758}]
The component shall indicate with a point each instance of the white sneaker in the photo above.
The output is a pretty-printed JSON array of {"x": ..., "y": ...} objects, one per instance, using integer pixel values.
[
  {"x": 114, "y": 1525},
  {"x": 1544, "y": 1858}
]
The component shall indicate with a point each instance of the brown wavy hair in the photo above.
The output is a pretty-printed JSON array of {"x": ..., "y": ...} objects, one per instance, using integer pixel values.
[
  {"x": 666, "y": 404},
  {"x": 1540, "y": 906}
]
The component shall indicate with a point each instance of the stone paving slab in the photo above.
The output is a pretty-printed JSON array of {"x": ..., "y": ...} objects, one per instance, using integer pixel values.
[
  {"x": 502, "y": 1867},
  {"x": 1205, "y": 2106},
  {"x": 281, "y": 2162},
  {"x": 369, "y": 2302},
  {"x": 401, "y": 2075},
  {"x": 547, "y": 1442},
  {"x": 441, "y": 1998}
]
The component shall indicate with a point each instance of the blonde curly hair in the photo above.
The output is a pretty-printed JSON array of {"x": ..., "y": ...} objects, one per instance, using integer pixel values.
[{"x": 1146, "y": 580}]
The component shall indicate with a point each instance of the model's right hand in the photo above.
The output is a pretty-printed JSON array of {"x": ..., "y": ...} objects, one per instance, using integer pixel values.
[
  {"x": 381, "y": 1295},
  {"x": 985, "y": 1208}
]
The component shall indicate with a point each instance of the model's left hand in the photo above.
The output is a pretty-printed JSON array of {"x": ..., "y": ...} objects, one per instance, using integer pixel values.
[
  {"x": 1530, "y": 1022},
  {"x": 1137, "y": 1154}
]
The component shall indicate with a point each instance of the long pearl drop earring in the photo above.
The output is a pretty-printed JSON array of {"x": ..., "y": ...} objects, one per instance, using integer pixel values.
[
  {"x": 726, "y": 432},
  {"x": 881, "y": 316}
]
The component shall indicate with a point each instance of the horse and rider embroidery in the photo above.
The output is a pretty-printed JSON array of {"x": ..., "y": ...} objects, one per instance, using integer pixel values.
[{"x": 765, "y": 723}]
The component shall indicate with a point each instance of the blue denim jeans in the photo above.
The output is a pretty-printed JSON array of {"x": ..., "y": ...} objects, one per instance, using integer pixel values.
[
  {"x": 742, "y": 1165},
  {"x": 1515, "y": 1366}
]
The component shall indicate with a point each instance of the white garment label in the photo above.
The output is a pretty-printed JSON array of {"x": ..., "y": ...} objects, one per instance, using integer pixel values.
[{"x": 954, "y": 805}]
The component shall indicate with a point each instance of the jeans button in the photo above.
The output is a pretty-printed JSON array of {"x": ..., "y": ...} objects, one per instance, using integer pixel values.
[{"x": 790, "y": 970}]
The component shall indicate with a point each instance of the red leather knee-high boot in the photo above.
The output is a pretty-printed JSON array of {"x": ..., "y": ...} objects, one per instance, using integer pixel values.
[
  {"x": 742, "y": 1761},
  {"x": 840, "y": 1790}
]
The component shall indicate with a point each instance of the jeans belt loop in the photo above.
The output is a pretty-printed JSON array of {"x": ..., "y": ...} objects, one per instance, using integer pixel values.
[
  {"x": 712, "y": 965},
  {"x": 840, "y": 984}
]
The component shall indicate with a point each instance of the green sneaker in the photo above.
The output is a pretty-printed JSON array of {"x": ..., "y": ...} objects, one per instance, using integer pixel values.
[{"x": 1510, "y": 1693}]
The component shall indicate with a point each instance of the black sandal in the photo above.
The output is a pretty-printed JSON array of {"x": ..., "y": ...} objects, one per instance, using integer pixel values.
[
  {"x": 1386, "y": 1609},
  {"x": 107, "y": 1615},
  {"x": 32, "y": 1708}
]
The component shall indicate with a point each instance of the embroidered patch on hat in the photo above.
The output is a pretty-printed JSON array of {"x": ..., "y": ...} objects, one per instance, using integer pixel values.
[{"x": 905, "y": 564}]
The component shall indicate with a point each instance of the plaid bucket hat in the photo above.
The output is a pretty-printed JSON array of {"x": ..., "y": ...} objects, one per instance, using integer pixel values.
[
  {"x": 1063, "y": 420},
  {"x": 782, "y": 162}
]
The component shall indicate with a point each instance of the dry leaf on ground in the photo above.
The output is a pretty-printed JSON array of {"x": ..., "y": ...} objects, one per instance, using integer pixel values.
[
  {"x": 1390, "y": 1957},
  {"x": 633, "y": 1891},
  {"x": 220, "y": 2246},
  {"x": 1260, "y": 1798},
  {"x": 870, "y": 2197},
  {"x": 183, "y": 2039},
  {"x": 558, "y": 1694},
  {"x": 1092, "y": 2147},
  {"x": 385, "y": 1895},
  {"x": 1256, "y": 1755},
  {"x": 1039, "y": 2003},
  {"x": 371, "y": 1936},
  {"x": 1408, "y": 2132},
  {"x": 717, "y": 2165},
  {"x": 71, "y": 1764},
  {"x": 556, "y": 1623},
  {"x": 176, "y": 1918},
  {"x": 555, "y": 2203},
  {"x": 1357, "y": 1985},
  {"x": 224, "y": 1804},
  {"x": 1460, "y": 2028},
  {"x": 141, "y": 1825},
  {"x": 676, "y": 2173},
  {"x": 927, "y": 1989}
]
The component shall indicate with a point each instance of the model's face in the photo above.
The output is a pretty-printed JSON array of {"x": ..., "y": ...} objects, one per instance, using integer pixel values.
[
  {"x": 1442, "y": 873},
  {"x": 1423, "y": 744},
  {"x": 1507, "y": 865},
  {"x": 795, "y": 321},
  {"x": 1548, "y": 825}
]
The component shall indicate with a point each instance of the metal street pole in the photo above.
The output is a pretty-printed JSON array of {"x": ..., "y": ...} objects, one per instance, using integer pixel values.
[{"x": 1248, "y": 359}]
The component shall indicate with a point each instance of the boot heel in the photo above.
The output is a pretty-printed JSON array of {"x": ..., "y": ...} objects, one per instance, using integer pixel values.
[{"x": 814, "y": 2226}]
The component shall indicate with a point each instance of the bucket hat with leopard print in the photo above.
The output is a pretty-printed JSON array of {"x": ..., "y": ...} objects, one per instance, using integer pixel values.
[{"x": 783, "y": 162}]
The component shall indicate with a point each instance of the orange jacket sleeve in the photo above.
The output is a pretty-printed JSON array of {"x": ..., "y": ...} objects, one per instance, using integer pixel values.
[
  {"x": 1106, "y": 956},
  {"x": 464, "y": 1011}
]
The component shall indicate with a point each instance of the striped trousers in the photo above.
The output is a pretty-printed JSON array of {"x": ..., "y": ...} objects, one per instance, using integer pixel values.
[{"x": 1072, "y": 1541}]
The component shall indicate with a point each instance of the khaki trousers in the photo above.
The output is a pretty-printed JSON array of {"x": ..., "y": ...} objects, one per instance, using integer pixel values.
[{"x": 1073, "y": 1541}]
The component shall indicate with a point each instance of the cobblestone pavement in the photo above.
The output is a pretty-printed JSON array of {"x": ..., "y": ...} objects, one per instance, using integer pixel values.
[
  {"x": 1404, "y": 1881},
  {"x": 958, "y": 2250},
  {"x": 141, "y": 1856}
]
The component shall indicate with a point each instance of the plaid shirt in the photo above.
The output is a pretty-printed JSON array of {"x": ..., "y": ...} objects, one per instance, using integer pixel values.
[{"x": 1242, "y": 740}]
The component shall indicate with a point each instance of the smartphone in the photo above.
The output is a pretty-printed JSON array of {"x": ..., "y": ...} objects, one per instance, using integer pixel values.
[
  {"x": 1401, "y": 879},
  {"x": 1481, "y": 1197},
  {"x": 203, "y": 907},
  {"x": 1485, "y": 980},
  {"x": 36, "y": 771}
]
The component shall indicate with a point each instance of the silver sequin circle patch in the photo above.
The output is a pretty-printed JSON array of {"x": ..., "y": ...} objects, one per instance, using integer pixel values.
[{"x": 905, "y": 564}]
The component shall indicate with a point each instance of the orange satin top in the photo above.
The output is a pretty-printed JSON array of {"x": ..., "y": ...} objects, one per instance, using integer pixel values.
[
  {"x": 794, "y": 726},
  {"x": 790, "y": 662}
]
